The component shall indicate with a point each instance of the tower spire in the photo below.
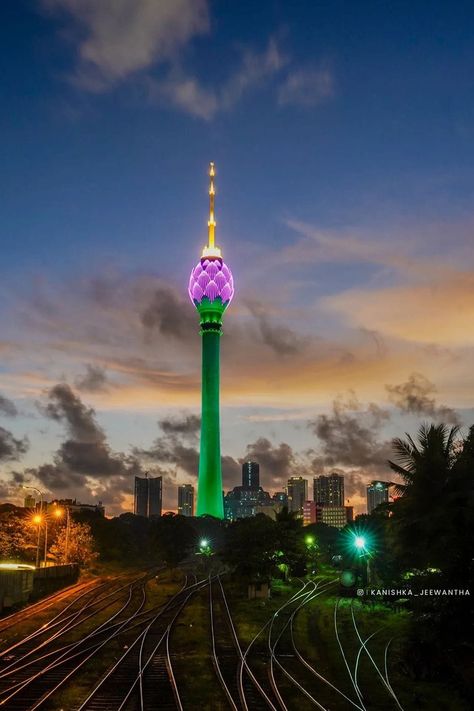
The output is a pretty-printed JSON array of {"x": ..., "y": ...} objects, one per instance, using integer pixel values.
[
  {"x": 212, "y": 192},
  {"x": 211, "y": 250}
]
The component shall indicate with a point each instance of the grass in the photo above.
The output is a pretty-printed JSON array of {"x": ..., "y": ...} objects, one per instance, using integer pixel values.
[
  {"x": 193, "y": 667},
  {"x": 316, "y": 640}
]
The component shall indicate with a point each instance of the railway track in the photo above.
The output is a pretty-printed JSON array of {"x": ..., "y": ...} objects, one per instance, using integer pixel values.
[
  {"x": 35, "y": 670},
  {"x": 226, "y": 650},
  {"x": 38, "y": 607},
  {"x": 143, "y": 678},
  {"x": 254, "y": 669}
]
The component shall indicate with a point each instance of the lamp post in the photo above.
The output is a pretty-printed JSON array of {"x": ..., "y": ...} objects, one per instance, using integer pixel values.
[
  {"x": 37, "y": 519},
  {"x": 360, "y": 543},
  {"x": 58, "y": 513}
]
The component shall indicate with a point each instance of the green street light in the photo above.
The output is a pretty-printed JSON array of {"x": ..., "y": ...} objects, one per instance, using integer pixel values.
[
  {"x": 359, "y": 542},
  {"x": 309, "y": 540}
]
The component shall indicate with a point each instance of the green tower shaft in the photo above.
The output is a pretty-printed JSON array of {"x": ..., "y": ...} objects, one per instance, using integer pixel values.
[{"x": 210, "y": 500}]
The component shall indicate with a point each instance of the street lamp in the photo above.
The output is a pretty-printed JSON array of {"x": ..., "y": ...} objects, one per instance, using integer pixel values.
[
  {"x": 361, "y": 545},
  {"x": 58, "y": 512},
  {"x": 39, "y": 519}
]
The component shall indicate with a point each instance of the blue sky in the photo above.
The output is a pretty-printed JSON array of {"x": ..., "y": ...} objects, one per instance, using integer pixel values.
[{"x": 343, "y": 138}]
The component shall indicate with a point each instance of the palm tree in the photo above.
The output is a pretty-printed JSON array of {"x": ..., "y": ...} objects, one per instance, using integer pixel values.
[
  {"x": 419, "y": 514},
  {"x": 427, "y": 462}
]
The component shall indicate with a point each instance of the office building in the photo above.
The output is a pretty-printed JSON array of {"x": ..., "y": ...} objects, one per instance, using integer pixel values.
[
  {"x": 309, "y": 513},
  {"x": 148, "y": 496},
  {"x": 297, "y": 494},
  {"x": 242, "y": 502},
  {"x": 328, "y": 490},
  {"x": 335, "y": 516},
  {"x": 377, "y": 493},
  {"x": 250, "y": 475},
  {"x": 186, "y": 500}
]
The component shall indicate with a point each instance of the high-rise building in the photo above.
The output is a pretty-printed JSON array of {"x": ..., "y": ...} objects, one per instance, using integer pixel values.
[
  {"x": 211, "y": 288},
  {"x": 335, "y": 516},
  {"x": 148, "y": 496},
  {"x": 186, "y": 500},
  {"x": 250, "y": 475},
  {"x": 242, "y": 502},
  {"x": 297, "y": 493},
  {"x": 29, "y": 502},
  {"x": 309, "y": 513},
  {"x": 377, "y": 493},
  {"x": 328, "y": 490}
]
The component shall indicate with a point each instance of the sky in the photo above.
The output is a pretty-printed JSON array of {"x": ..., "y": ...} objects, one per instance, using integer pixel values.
[{"x": 342, "y": 134}]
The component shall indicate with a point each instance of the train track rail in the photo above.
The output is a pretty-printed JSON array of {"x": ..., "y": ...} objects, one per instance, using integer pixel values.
[
  {"x": 38, "y": 607},
  {"x": 29, "y": 679},
  {"x": 143, "y": 677}
]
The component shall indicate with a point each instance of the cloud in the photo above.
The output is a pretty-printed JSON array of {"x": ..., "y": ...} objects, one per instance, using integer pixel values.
[
  {"x": 93, "y": 380},
  {"x": 11, "y": 449},
  {"x": 282, "y": 340},
  {"x": 84, "y": 463},
  {"x": 168, "y": 314},
  {"x": 190, "y": 95},
  {"x": 350, "y": 435},
  {"x": 306, "y": 87},
  {"x": 439, "y": 312},
  {"x": 187, "y": 426},
  {"x": 120, "y": 37},
  {"x": 7, "y": 407},
  {"x": 416, "y": 396},
  {"x": 277, "y": 462},
  {"x": 176, "y": 447}
]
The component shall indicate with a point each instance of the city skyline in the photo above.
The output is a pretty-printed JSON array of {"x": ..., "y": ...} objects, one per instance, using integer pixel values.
[{"x": 345, "y": 206}]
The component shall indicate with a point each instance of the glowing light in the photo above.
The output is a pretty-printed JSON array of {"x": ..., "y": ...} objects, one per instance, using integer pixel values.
[
  {"x": 359, "y": 542},
  {"x": 37, "y": 519},
  {"x": 204, "y": 543},
  {"x": 16, "y": 566},
  {"x": 309, "y": 540},
  {"x": 58, "y": 513},
  {"x": 211, "y": 279}
]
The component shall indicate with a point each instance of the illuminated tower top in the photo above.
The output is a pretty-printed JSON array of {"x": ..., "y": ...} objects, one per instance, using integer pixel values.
[
  {"x": 211, "y": 250},
  {"x": 211, "y": 278}
]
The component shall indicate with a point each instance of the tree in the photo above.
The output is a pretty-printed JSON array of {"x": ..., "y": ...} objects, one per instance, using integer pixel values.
[
  {"x": 173, "y": 537},
  {"x": 79, "y": 548},
  {"x": 420, "y": 516},
  {"x": 18, "y": 535},
  {"x": 290, "y": 542},
  {"x": 251, "y": 546}
]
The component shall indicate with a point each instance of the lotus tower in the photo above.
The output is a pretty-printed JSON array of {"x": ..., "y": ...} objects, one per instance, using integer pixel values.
[{"x": 211, "y": 288}]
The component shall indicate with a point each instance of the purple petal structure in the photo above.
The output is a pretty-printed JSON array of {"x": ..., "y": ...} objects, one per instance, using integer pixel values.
[{"x": 213, "y": 279}]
